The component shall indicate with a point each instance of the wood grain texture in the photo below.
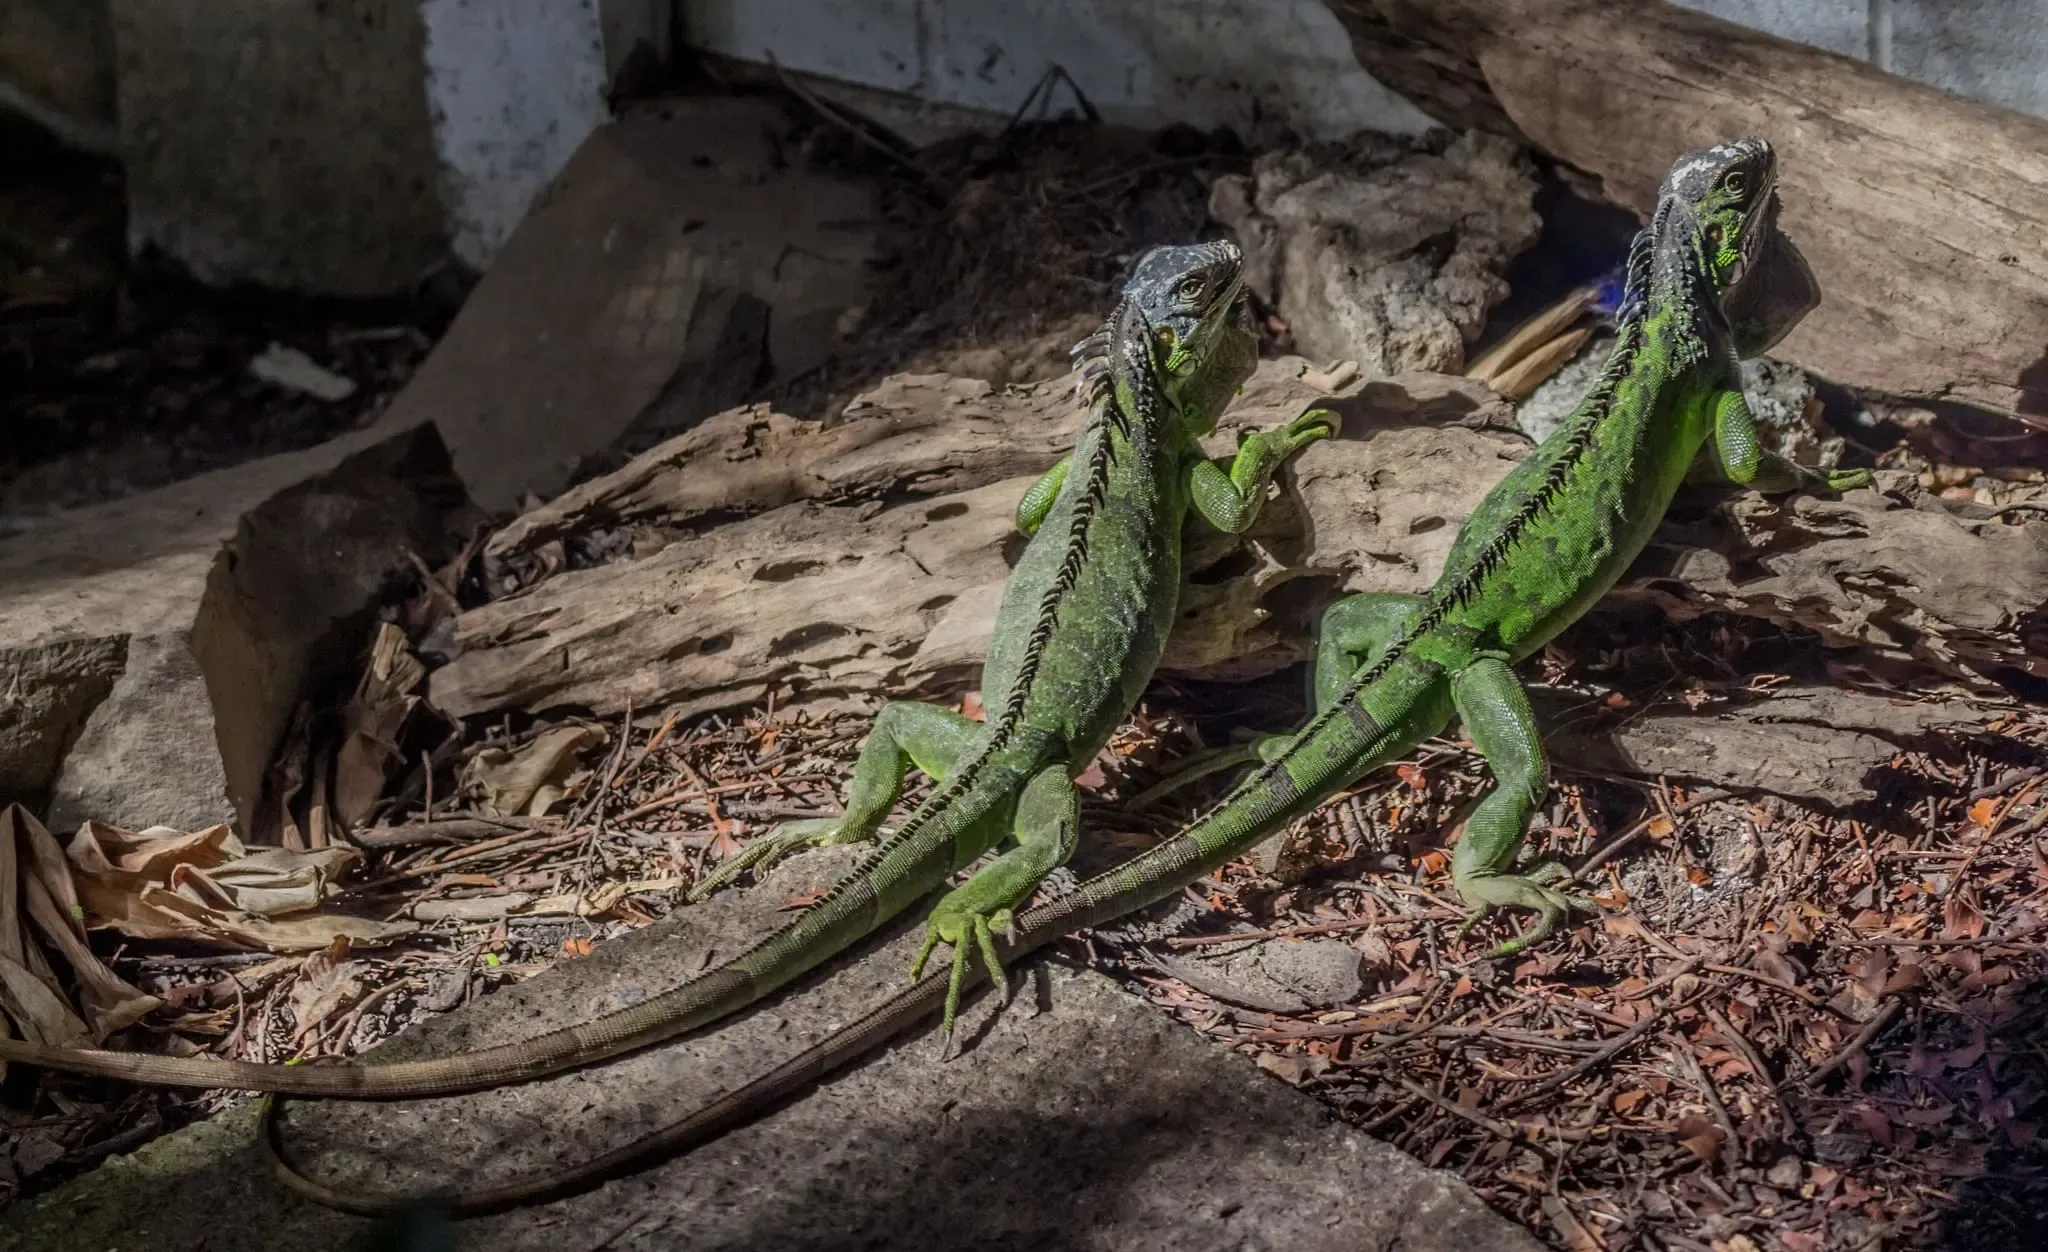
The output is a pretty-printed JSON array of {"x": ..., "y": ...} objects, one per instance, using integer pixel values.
[{"x": 1924, "y": 215}]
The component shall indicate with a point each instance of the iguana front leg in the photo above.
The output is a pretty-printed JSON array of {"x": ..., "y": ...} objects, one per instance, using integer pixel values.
[
  {"x": 1495, "y": 711},
  {"x": 1231, "y": 501},
  {"x": 1039, "y": 496},
  {"x": 905, "y": 733},
  {"x": 1736, "y": 451},
  {"x": 1046, "y": 827}
]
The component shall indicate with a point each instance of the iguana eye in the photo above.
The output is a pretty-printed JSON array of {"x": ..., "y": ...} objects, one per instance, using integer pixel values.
[
  {"x": 1191, "y": 289},
  {"x": 1734, "y": 182}
]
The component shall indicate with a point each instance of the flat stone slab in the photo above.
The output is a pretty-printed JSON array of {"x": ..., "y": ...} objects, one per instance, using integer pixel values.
[{"x": 1080, "y": 1118}]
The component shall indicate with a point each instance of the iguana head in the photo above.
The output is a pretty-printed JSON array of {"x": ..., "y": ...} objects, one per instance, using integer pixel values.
[
  {"x": 1717, "y": 221},
  {"x": 1193, "y": 298}
]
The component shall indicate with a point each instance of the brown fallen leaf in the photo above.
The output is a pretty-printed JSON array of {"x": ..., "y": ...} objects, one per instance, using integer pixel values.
[
  {"x": 1701, "y": 1137},
  {"x": 39, "y": 912},
  {"x": 167, "y": 884},
  {"x": 371, "y": 724},
  {"x": 527, "y": 780},
  {"x": 327, "y": 982}
]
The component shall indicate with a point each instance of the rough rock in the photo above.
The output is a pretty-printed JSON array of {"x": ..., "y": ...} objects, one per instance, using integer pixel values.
[
  {"x": 157, "y": 647},
  {"x": 677, "y": 261},
  {"x": 1090, "y": 1096},
  {"x": 57, "y": 68},
  {"x": 1814, "y": 743},
  {"x": 868, "y": 559},
  {"x": 1379, "y": 253}
]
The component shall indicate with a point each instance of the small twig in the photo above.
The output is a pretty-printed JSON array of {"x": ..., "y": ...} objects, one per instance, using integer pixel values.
[
  {"x": 1608, "y": 1052},
  {"x": 1713, "y": 1098},
  {"x": 1857, "y": 1044},
  {"x": 1626, "y": 837},
  {"x": 1492, "y": 1126},
  {"x": 1788, "y": 1126}
]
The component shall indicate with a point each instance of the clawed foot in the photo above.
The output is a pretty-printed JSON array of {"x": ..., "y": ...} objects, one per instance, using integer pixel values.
[
  {"x": 1551, "y": 906},
  {"x": 763, "y": 853},
  {"x": 1843, "y": 480},
  {"x": 969, "y": 932},
  {"x": 1310, "y": 426}
]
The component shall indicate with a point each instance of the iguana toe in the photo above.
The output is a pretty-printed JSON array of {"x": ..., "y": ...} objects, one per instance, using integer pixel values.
[{"x": 762, "y": 854}]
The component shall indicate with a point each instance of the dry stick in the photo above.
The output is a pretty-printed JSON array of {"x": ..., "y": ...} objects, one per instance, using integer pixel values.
[
  {"x": 1863, "y": 1037},
  {"x": 1788, "y": 1127},
  {"x": 1492, "y": 1126},
  {"x": 2007, "y": 783},
  {"x": 1714, "y": 1105},
  {"x": 1607, "y": 1053},
  {"x": 1636, "y": 831}
]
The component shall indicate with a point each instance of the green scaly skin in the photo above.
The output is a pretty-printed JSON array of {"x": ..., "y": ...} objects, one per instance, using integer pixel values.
[
  {"x": 1083, "y": 619},
  {"x": 1710, "y": 279}
]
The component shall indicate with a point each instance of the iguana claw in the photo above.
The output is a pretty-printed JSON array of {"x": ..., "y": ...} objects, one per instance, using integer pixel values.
[
  {"x": 762, "y": 854},
  {"x": 1552, "y": 907},
  {"x": 971, "y": 934}
]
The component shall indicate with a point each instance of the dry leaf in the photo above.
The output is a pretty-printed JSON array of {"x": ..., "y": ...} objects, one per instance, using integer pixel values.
[
  {"x": 165, "y": 884},
  {"x": 1961, "y": 918},
  {"x": 39, "y": 912},
  {"x": 971, "y": 707},
  {"x": 1412, "y": 775},
  {"x": 1291, "y": 1068},
  {"x": 1660, "y": 827},
  {"x": 510, "y": 782},
  {"x": 1625, "y": 1102},
  {"x": 1984, "y": 812},
  {"x": 371, "y": 724},
  {"x": 1433, "y": 862},
  {"x": 327, "y": 981},
  {"x": 1701, "y": 1137}
]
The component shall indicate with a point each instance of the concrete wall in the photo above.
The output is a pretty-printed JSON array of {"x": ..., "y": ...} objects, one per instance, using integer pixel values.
[
  {"x": 57, "y": 68},
  {"x": 1207, "y": 62},
  {"x": 1238, "y": 62},
  {"x": 1990, "y": 50}
]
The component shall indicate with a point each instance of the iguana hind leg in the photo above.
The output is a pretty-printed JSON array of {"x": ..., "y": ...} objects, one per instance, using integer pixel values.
[
  {"x": 1046, "y": 826},
  {"x": 1495, "y": 711},
  {"x": 1354, "y": 631},
  {"x": 905, "y": 733}
]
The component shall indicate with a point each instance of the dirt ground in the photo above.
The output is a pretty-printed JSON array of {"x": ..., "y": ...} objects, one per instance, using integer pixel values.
[{"x": 1787, "y": 1029}]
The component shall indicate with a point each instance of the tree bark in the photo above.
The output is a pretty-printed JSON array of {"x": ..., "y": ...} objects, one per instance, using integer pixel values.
[{"x": 1921, "y": 212}]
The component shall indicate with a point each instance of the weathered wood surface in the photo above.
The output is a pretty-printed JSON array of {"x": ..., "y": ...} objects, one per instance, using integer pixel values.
[
  {"x": 1922, "y": 213},
  {"x": 866, "y": 560}
]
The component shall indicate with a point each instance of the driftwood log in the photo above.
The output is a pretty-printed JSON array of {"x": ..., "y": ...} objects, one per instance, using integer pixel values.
[
  {"x": 1921, "y": 212},
  {"x": 762, "y": 557}
]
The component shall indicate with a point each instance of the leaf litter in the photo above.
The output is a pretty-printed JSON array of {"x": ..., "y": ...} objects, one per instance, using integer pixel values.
[{"x": 1791, "y": 1029}]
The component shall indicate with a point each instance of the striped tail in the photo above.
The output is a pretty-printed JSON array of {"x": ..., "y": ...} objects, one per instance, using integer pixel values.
[{"x": 911, "y": 867}]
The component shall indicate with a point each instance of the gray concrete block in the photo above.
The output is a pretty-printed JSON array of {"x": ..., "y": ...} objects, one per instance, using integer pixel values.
[
  {"x": 1837, "y": 25},
  {"x": 1081, "y": 1118},
  {"x": 287, "y": 145},
  {"x": 1990, "y": 50},
  {"x": 57, "y": 68}
]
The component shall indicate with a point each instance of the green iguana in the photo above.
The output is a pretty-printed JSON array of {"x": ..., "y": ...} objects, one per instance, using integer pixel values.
[
  {"x": 1709, "y": 279},
  {"x": 1082, "y": 622}
]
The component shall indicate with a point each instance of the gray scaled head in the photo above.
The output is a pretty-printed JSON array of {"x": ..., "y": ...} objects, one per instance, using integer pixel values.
[
  {"x": 1719, "y": 208},
  {"x": 1188, "y": 293}
]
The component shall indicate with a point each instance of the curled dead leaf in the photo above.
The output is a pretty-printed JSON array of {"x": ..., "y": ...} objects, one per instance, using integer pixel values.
[
  {"x": 527, "y": 780},
  {"x": 1701, "y": 1137}
]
